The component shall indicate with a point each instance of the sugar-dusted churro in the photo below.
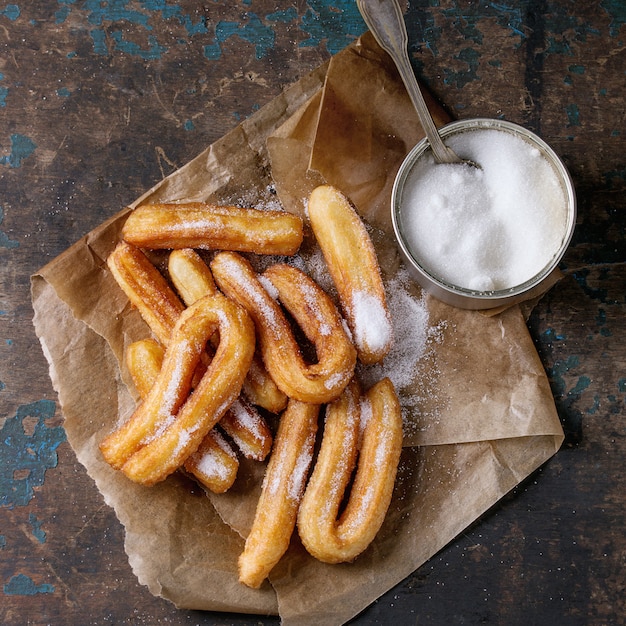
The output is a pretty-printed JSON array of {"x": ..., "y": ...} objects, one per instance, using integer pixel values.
[
  {"x": 214, "y": 464},
  {"x": 312, "y": 309},
  {"x": 248, "y": 429},
  {"x": 353, "y": 266},
  {"x": 193, "y": 279},
  {"x": 329, "y": 535},
  {"x": 282, "y": 489},
  {"x": 170, "y": 424},
  {"x": 212, "y": 227},
  {"x": 146, "y": 289}
]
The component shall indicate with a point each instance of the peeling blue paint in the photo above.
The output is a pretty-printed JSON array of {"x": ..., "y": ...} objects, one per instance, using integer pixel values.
[
  {"x": 616, "y": 10},
  {"x": 103, "y": 14},
  {"x": 573, "y": 115},
  {"x": 11, "y": 11},
  {"x": 595, "y": 406},
  {"x": 550, "y": 335},
  {"x": 27, "y": 452},
  {"x": 559, "y": 369},
  {"x": 581, "y": 278},
  {"x": 286, "y": 16},
  {"x": 35, "y": 524},
  {"x": 580, "y": 386},
  {"x": 4, "y": 92},
  {"x": 465, "y": 23},
  {"x": 114, "y": 11},
  {"x": 335, "y": 24},
  {"x": 460, "y": 78},
  {"x": 22, "y": 585},
  {"x": 21, "y": 148},
  {"x": 253, "y": 31},
  {"x": 153, "y": 51}
]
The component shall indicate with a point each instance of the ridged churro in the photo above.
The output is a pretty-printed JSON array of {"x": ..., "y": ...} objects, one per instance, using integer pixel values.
[
  {"x": 353, "y": 266},
  {"x": 214, "y": 464},
  {"x": 193, "y": 279},
  {"x": 327, "y": 534},
  {"x": 170, "y": 424},
  {"x": 314, "y": 312},
  {"x": 282, "y": 489},
  {"x": 146, "y": 289},
  {"x": 212, "y": 227}
]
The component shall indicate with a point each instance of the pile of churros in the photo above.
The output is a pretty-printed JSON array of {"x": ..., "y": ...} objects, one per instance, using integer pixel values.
[{"x": 226, "y": 353}]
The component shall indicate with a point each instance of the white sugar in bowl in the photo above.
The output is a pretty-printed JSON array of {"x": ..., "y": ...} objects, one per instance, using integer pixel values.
[{"x": 482, "y": 237}]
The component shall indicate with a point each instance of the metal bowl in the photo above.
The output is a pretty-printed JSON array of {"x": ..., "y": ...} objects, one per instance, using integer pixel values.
[{"x": 460, "y": 296}]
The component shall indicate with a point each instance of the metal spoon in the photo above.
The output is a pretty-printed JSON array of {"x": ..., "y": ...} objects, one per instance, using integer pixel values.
[{"x": 385, "y": 20}]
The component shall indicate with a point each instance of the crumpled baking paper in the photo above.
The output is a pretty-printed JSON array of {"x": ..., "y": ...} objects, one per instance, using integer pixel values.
[{"x": 479, "y": 414}]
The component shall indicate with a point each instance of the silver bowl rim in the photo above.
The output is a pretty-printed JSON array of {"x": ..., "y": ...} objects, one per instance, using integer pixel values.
[{"x": 461, "y": 296}]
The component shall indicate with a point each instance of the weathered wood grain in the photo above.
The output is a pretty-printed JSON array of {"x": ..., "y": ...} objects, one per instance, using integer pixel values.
[{"x": 98, "y": 101}]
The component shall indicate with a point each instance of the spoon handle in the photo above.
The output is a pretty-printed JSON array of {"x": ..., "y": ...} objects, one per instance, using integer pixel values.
[{"x": 385, "y": 20}]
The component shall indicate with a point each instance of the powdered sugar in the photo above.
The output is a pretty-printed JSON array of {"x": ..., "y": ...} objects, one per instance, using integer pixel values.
[
  {"x": 208, "y": 463},
  {"x": 372, "y": 327},
  {"x": 297, "y": 479},
  {"x": 268, "y": 286}
]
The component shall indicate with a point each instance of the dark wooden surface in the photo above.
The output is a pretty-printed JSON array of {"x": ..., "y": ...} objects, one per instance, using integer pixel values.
[{"x": 100, "y": 100}]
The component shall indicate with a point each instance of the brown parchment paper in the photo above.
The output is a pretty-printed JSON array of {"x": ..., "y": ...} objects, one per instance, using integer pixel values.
[{"x": 479, "y": 415}]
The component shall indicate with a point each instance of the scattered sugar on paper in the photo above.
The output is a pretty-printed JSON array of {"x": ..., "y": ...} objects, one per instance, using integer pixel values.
[
  {"x": 412, "y": 332},
  {"x": 261, "y": 199}
]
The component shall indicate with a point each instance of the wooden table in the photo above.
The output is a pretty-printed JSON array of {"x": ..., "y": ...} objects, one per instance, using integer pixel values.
[{"x": 99, "y": 101}]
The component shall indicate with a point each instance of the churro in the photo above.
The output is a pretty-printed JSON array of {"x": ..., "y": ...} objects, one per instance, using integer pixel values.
[
  {"x": 193, "y": 279},
  {"x": 170, "y": 424},
  {"x": 146, "y": 289},
  {"x": 283, "y": 485},
  {"x": 214, "y": 464},
  {"x": 212, "y": 227},
  {"x": 327, "y": 534},
  {"x": 313, "y": 310},
  {"x": 353, "y": 266}
]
